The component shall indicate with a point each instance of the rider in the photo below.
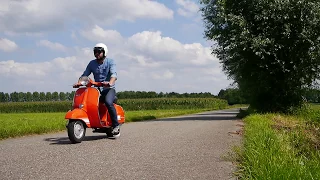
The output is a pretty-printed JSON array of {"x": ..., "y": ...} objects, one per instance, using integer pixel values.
[{"x": 104, "y": 70}]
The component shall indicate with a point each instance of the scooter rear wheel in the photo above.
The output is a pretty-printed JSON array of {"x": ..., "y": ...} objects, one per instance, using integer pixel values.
[{"x": 76, "y": 131}]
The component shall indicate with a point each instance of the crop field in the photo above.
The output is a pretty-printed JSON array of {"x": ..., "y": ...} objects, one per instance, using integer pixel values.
[{"x": 127, "y": 104}]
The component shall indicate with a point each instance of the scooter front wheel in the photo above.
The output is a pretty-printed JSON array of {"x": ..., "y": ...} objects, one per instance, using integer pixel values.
[{"x": 76, "y": 131}]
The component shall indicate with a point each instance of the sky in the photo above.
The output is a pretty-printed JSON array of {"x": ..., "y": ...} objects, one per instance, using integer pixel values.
[{"x": 45, "y": 45}]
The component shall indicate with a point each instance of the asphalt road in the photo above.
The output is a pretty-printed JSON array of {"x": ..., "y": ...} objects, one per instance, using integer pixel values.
[{"x": 184, "y": 147}]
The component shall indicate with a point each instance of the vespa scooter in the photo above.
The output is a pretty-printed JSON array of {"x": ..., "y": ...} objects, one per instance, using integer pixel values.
[{"x": 88, "y": 111}]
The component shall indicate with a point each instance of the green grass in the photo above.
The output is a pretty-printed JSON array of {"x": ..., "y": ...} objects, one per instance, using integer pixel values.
[
  {"x": 20, "y": 124},
  {"x": 311, "y": 113},
  {"x": 281, "y": 146}
]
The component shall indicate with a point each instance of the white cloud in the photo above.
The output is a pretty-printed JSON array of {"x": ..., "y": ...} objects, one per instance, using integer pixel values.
[
  {"x": 166, "y": 49},
  {"x": 188, "y": 8},
  {"x": 36, "y": 16},
  {"x": 146, "y": 61},
  {"x": 151, "y": 49},
  {"x": 52, "y": 45},
  {"x": 7, "y": 45},
  {"x": 165, "y": 75},
  {"x": 98, "y": 34},
  {"x": 16, "y": 70},
  {"x": 183, "y": 12},
  {"x": 56, "y": 75}
]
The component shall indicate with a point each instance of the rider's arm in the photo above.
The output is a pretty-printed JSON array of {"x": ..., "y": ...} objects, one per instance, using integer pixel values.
[
  {"x": 87, "y": 71},
  {"x": 113, "y": 72}
]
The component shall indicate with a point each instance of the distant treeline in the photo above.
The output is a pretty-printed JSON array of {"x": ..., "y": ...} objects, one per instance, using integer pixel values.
[
  {"x": 232, "y": 95},
  {"x": 68, "y": 96}
]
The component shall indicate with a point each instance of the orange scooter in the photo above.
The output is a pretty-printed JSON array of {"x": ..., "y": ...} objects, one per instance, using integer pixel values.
[{"x": 88, "y": 111}]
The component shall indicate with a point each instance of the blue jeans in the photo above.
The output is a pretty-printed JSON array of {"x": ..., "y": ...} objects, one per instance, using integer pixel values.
[{"x": 108, "y": 96}]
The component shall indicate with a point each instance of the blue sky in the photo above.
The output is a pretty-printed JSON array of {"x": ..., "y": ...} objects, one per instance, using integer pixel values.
[{"x": 158, "y": 45}]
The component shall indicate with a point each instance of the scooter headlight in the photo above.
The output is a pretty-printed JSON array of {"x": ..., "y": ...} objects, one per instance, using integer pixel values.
[{"x": 84, "y": 80}]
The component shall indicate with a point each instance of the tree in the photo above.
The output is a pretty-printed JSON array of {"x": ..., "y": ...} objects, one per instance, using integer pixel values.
[
  {"x": 42, "y": 96},
  {"x": 71, "y": 95},
  {"x": 48, "y": 96},
  {"x": 36, "y": 96},
  {"x": 232, "y": 95},
  {"x": 7, "y": 97},
  {"x": 269, "y": 48},
  {"x": 21, "y": 97},
  {"x": 29, "y": 97},
  {"x": 55, "y": 96},
  {"x": 62, "y": 96},
  {"x": 14, "y": 96},
  {"x": 2, "y": 97}
]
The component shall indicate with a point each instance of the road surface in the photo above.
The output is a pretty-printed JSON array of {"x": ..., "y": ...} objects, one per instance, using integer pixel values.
[{"x": 184, "y": 147}]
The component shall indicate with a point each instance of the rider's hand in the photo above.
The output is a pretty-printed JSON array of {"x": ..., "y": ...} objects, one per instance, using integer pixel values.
[
  {"x": 105, "y": 83},
  {"x": 75, "y": 85}
]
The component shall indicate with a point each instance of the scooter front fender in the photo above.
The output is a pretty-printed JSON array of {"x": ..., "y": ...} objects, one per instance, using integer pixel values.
[{"x": 78, "y": 114}]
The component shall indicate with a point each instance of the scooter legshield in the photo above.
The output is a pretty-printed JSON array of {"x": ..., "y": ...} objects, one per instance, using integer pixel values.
[{"x": 78, "y": 114}]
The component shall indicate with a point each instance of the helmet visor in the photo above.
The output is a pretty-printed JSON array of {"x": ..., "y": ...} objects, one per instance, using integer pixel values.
[{"x": 98, "y": 50}]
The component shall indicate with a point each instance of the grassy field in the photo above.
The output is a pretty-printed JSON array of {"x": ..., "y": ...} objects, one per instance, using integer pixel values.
[
  {"x": 20, "y": 124},
  {"x": 278, "y": 146}
]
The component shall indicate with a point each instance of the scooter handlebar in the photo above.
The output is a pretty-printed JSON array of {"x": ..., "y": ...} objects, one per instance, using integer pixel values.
[
  {"x": 92, "y": 83},
  {"x": 98, "y": 84}
]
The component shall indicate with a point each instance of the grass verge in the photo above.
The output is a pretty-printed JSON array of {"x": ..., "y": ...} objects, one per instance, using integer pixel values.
[{"x": 281, "y": 146}]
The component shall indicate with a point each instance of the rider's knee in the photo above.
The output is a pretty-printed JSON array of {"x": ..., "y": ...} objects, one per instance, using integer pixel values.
[{"x": 109, "y": 103}]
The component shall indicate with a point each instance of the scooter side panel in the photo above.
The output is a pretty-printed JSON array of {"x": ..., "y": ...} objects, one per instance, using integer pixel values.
[
  {"x": 104, "y": 115},
  {"x": 120, "y": 113}
]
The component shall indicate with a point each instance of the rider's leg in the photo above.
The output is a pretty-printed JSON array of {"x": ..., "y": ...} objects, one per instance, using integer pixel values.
[{"x": 109, "y": 98}]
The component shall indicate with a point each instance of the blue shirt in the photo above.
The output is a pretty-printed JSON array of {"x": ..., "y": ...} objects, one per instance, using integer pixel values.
[{"x": 101, "y": 72}]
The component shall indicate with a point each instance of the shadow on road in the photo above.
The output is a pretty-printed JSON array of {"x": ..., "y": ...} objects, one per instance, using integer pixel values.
[
  {"x": 65, "y": 140},
  {"x": 206, "y": 116}
]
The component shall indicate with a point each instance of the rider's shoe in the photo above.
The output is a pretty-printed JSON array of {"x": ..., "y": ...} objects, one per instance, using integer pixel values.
[
  {"x": 115, "y": 132},
  {"x": 116, "y": 129}
]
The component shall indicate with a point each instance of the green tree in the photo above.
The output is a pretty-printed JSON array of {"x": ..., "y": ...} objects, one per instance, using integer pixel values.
[
  {"x": 55, "y": 96},
  {"x": 2, "y": 97},
  {"x": 312, "y": 95},
  {"x": 49, "y": 96},
  {"x": 232, "y": 95},
  {"x": 161, "y": 94},
  {"x": 29, "y": 97},
  {"x": 36, "y": 96},
  {"x": 68, "y": 96},
  {"x": 7, "y": 97},
  {"x": 151, "y": 94},
  {"x": 42, "y": 96},
  {"x": 21, "y": 97},
  {"x": 71, "y": 95},
  {"x": 14, "y": 96},
  {"x": 269, "y": 48},
  {"x": 62, "y": 96}
]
